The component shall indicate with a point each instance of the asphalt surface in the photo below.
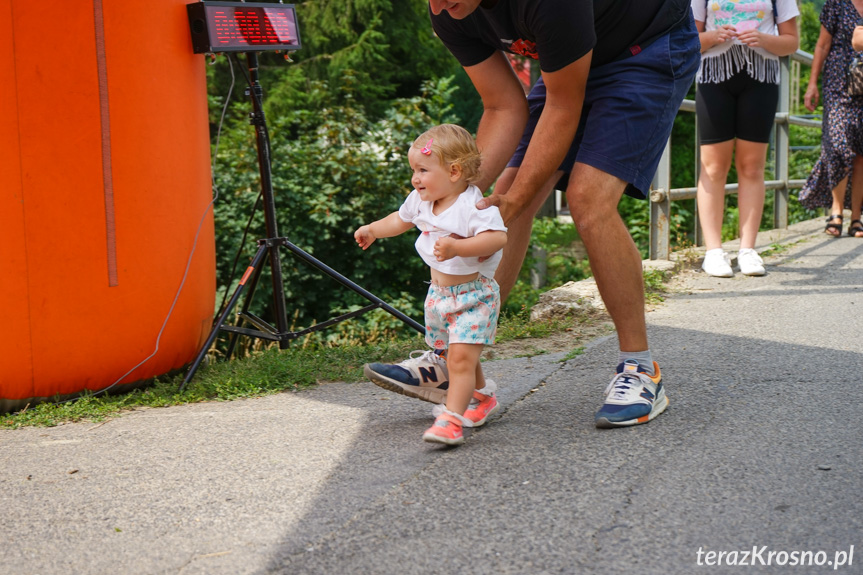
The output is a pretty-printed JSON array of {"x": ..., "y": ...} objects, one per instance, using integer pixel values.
[{"x": 760, "y": 448}]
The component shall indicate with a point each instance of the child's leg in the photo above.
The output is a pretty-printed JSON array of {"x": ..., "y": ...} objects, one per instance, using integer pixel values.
[
  {"x": 480, "y": 378},
  {"x": 465, "y": 375}
]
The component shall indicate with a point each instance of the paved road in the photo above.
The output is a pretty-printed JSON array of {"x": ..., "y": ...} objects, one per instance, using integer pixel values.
[{"x": 761, "y": 447}]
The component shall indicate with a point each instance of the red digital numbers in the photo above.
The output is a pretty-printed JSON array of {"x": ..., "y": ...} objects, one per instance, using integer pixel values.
[{"x": 258, "y": 26}]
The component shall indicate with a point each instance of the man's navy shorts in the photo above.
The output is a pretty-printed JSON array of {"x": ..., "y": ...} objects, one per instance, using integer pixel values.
[{"x": 629, "y": 109}]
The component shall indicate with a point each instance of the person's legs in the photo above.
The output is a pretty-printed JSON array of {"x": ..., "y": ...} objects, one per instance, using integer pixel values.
[
  {"x": 756, "y": 107},
  {"x": 462, "y": 360},
  {"x": 750, "y": 159},
  {"x": 855, "y": 226},
  {"x": 469, "y": 312},
  {"x": 633, "y": 103},
  {"x": 424, "y": 374},
  {"x": 857, "y": 188},
  {"x": 628, "y": 112},
  {"x": 484, "y": 401},
  {"x": 635, "y": 394},
  {"x": 834, "y": 220},
  {"x": 614, "y": 259},
  {"x": 518, "y": 233},
  {"x": 715, "y": 164},
  {"x": 716, "y": 107}
]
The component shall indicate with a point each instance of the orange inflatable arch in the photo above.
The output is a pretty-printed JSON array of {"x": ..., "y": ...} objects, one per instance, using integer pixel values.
[{"x": 105, "y": 175}]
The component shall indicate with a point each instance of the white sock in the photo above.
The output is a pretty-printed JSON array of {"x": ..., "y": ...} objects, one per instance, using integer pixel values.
[{"x": 644, "y": 359}]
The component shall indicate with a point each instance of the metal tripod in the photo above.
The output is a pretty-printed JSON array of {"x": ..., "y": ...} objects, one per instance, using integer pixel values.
[{"x": 270, "y": 247}]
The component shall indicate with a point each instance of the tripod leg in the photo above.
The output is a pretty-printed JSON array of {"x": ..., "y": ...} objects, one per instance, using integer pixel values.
[
  {"x": 253, "y": 267},
  {"x": 256, "y": 275},
  {"x": 309, "y": 259}
]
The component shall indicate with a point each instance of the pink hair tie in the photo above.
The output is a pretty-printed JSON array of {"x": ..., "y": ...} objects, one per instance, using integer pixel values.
[{"x": 427, "y": 150}]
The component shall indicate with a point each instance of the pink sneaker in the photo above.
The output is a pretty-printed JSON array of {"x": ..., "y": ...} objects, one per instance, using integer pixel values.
[
  {"x": 482, "y": 405},
  {"x": 446, "y": 429}
]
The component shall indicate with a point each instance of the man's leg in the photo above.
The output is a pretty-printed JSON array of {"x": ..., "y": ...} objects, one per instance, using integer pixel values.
[
  {"x": 635, "y": 394},
  {"x": 518, "y": 232},
  {"x": 615, "y": 262}
]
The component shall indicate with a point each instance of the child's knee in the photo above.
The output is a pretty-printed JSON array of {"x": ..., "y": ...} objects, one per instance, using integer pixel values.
[{"x": 463, "y": 357}]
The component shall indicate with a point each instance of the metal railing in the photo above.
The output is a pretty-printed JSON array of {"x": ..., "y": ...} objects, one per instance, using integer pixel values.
[{"x": 661, "y": 194}]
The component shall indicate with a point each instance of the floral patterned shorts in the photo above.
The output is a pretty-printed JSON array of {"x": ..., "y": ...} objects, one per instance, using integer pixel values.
[{"x": 465, "y": 313}]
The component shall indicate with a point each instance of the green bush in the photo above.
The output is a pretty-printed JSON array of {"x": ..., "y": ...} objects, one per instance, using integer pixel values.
[{"x": 333, "y": 170}]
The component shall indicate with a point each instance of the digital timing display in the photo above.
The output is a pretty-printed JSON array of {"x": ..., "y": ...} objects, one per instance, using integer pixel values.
[{"x": 242, "y": 27}]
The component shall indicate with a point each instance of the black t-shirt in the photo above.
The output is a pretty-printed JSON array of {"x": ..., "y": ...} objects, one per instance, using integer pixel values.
[{"x": 558, "y": 32}]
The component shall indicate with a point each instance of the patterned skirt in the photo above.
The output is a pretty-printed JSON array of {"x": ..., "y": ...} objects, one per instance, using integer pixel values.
[{"x": 841, "y": 141}]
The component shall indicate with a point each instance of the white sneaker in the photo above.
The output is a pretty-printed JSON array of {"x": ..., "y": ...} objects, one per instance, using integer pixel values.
[
  {"x": 717, "y": 263},
  {"x": 750, "y": 262}
]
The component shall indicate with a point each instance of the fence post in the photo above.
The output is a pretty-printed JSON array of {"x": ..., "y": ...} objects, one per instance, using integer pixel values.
[
  {"x": 660, "y": 207},
  {"x": 698, "y": 233},
  {"x": 783, "y": 138}
]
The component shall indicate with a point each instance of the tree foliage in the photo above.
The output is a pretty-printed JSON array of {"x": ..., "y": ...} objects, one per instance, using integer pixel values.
[
  {"x": 333, "y": 170},
  {"x": 369, "y": 77}
]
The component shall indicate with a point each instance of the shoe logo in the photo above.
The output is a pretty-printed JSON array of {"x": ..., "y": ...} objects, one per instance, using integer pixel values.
[
  {"x": 646, "y": 394},
  {"x": 428, "y": 374}
]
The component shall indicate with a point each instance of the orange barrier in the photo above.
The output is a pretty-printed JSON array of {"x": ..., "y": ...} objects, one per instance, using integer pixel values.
[{"x": 104, "y": 178}]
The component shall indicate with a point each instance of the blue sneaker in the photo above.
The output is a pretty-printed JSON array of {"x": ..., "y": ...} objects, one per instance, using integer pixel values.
[
  {"x": 632, "y": 396},
  {"x": 424, "y": 376}
]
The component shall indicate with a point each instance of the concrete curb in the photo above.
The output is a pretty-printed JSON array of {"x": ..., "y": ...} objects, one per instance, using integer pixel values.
[{"x": 572, "y": 297}]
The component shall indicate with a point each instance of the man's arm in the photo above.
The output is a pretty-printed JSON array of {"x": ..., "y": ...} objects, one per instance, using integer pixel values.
[
  {"x": 551, "y": 139},
  {"x": 504, "y": 115}
]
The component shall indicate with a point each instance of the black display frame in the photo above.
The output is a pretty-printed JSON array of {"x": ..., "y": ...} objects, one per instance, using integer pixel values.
[{"x": 207, "y": 35}]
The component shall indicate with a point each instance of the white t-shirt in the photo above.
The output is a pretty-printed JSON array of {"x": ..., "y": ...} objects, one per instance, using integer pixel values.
[
  {"x": 726, "y": 59},
  {"x": 462, "y": 218}
]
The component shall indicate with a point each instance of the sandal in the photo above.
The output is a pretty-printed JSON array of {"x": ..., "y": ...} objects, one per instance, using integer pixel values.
[
  {"x": 832, "y": 229},
  {"x": 855, "y": 229}
]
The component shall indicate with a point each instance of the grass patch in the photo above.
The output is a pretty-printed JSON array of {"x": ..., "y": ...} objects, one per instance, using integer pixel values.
[
  {"x": 266, "y": 372},
  {"x": 654, "y": 285},
  {"x": 298, "y": 367},
  {"x": 520, "y": 326},
  {"x": 263, "y": 373},
  {"x": 573, "y": 354},
  {"x": 776, "y": 248}
]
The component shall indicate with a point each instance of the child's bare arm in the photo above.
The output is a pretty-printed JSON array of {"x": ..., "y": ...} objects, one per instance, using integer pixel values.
[
  {"x": 482, "y": 244},
  {"x": 390, "y": 226}
]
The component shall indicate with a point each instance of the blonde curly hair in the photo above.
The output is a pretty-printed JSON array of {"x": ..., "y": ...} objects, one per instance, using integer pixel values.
[{"x": 452, "y": 144}]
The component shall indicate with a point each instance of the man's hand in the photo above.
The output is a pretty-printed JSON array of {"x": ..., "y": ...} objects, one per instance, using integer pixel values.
[{"x": 508, "y": 210}]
